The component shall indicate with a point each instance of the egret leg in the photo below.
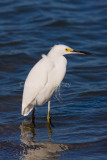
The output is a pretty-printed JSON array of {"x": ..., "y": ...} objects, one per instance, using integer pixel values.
[
  {"x": 50, "y": 124},
  {"x": 48, "y": 115},
  {"x": 33, "y": 116}
]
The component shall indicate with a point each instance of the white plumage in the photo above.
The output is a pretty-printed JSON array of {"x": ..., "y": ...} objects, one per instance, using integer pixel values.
[{"x": 44, "y": 78}]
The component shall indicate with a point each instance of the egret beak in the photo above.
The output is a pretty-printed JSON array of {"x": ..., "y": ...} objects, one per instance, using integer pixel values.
[{"x": 81, "y": 52}]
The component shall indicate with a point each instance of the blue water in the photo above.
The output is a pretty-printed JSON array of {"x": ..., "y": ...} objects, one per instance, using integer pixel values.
[{"x": 29, "y": 29}]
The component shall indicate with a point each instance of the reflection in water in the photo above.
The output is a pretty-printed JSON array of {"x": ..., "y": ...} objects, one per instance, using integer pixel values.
[
  {"x": 38, "y": 151},
  {"x": 27, "y": 132}
]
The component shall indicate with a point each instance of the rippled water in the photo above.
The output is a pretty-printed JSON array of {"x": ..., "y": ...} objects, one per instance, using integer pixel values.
[{"x": 79, "y": 108}]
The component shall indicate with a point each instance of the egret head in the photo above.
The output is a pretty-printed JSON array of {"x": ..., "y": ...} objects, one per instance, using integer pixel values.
[{"x": 60, "y": 49}]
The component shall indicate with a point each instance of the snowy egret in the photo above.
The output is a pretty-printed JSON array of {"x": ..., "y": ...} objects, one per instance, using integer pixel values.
[{"x": 45, "y": 77}]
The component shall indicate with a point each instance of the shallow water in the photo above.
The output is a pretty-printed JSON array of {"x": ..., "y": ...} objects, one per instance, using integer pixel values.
[{"x": 79, "y": 107}]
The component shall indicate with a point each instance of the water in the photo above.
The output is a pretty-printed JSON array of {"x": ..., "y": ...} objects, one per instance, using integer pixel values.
[{"x": 79, "y": 108}]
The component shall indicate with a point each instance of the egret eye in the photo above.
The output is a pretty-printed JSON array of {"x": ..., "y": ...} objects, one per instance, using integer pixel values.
[{"x": 66, "y": 49}]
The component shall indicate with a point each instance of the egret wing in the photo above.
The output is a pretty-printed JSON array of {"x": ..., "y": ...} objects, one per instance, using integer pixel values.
[{"x": 35, "y": 82}]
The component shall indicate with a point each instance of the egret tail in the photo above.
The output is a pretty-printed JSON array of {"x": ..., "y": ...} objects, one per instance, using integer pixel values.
[{"x": 26, "y": 110}]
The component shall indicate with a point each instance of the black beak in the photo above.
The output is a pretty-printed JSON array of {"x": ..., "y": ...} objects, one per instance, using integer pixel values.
[{"x": 82, "y": 52}]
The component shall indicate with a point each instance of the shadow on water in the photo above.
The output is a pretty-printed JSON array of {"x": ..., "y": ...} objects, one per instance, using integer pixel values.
[{"x": 43, "y": 150}]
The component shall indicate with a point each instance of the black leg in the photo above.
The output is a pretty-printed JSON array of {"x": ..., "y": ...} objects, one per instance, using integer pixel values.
[{"x": 33, "y": 116}]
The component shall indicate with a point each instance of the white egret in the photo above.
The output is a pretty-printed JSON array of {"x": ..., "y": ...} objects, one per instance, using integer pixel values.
[{"x": 45, "y": 77}]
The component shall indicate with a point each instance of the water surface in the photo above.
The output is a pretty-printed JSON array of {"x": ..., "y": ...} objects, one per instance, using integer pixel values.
[{"x": 79, "y": 107}]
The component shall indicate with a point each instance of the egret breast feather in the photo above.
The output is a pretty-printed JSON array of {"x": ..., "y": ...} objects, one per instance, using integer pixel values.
[{"x": 35, "y": 81}]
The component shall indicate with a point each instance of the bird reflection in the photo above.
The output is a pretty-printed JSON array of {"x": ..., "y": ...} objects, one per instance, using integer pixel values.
[{"x": 35, "y": 150}]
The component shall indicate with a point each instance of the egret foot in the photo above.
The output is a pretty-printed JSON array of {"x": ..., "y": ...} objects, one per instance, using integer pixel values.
[{"x": 48, "y": 119}]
